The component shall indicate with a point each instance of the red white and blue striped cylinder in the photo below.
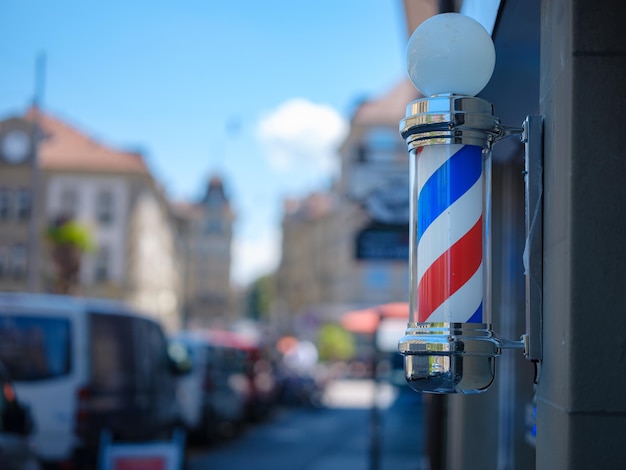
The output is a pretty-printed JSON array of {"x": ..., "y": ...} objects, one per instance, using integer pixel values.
[{"x": 449, "y": 234}]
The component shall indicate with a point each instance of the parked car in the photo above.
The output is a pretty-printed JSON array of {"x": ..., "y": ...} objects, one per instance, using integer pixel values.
[
  {"x": 254, "y": 365},
  {"x": 16, "y": 450},
  {"x": 84, "y": 366},
  {"x": 214, "y": 394}
]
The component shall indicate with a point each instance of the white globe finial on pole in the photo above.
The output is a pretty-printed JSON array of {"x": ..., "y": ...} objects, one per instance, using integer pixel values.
[{"x": 450, "y": 53}]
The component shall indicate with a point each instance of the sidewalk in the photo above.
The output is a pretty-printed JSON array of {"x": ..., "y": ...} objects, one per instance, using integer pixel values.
[
  {"x": 398, "y": 444},
  {"x": 336, "y": 437}
]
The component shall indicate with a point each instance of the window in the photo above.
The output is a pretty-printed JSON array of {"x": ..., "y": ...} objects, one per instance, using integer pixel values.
[
  {"x": 214, "y": 226},
  {"x": 4, "y": 268},
  {"x": 23, "y": 204},
  {"x": 152, "y": 363},
  {"x": 382, "y": 144},
  {"x": 18, "y": 261},
  {"x": 112, "y": 359},
  {"x": 126, "y": 352},
  {"x": 5, "y": 204},
  {"x": 69, "y": 203},
  {"x": 104, "y": 207},
  {"x": 103, "y": 260},
  {"x": 33, "y": 347},
  {"x": 361, "y": 153}
]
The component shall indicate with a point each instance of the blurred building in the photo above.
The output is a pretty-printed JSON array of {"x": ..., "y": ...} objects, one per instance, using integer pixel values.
[
  {"x": 17, "y": 154},
  {"x": 348, "y": 248},
  {"x": 111, "y": 193},
  {"x": 205, "y": 230},
  {"x": 316, "y": 256}
]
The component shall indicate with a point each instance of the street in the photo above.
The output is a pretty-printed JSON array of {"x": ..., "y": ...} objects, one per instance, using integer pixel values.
[{"x": 338, "y": 436}]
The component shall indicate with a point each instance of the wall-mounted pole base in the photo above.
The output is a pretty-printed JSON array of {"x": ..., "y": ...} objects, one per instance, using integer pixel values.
[{"x": 449, "y": 357}]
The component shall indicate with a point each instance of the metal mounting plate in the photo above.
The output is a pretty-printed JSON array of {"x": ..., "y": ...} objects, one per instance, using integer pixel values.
[{"x": 533, "y": 251}]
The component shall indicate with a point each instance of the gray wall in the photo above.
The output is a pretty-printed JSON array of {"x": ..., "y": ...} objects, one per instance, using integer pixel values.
[{"x": 581, "y": 395}]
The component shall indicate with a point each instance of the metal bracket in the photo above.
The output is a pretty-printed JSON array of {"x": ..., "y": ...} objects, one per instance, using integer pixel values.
[{"x": 532, "y": 137}]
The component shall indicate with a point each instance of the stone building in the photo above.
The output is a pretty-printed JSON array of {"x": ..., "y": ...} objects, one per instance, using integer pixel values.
[
  {"x": 316, "y": 255},
  {"x": 348, "y": 248},
  {"x": 205, "y": 229},
  {"x": 113, "y": 194},
  {"x": 17, "y": 154}
]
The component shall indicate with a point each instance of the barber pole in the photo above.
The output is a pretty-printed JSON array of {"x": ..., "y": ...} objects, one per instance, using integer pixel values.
[
  {"x": 449, "y": 346},
  {"x": 449, "y": 233}
]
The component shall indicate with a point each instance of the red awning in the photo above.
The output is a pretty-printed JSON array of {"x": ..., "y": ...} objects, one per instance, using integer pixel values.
[{"x": 366, "y": 320}]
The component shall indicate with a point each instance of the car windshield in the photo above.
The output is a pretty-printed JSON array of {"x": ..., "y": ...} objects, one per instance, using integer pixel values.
[{"x": 34, "y": 348}]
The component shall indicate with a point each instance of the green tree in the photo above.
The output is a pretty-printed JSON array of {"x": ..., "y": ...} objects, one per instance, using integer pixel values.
[
  {"x": 260, "y": 297},
  {"x": 335, "y": 343},
  {"x": 68, "y": 240}
]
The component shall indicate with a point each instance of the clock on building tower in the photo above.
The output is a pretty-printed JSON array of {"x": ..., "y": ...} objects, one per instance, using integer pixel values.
[{"x": 15, "y": 146}]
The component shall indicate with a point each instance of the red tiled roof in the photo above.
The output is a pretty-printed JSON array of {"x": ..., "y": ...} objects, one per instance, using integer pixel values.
[{"x": 66, "y": 148}]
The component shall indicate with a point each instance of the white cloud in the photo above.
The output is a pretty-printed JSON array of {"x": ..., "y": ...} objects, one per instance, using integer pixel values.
[
  {"x": 254, "y": 257},
  {"x": 299, "y": 142},
  {"x": 303, "y": 136}
]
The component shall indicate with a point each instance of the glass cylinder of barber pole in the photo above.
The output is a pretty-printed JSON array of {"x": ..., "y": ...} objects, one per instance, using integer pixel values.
[
  {"x": 449, "y": 346},
  {"x": 450, "y": 247}
]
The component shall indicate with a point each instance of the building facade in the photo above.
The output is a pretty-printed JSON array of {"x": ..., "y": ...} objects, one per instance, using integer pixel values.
[
  {"x": 348, "y": 248},
  {"x": 205, "y": 230},
  {"x": 112, "y": 195},
  {"x": 316, "y": 256},
  {"x": 17, "y": 154}
]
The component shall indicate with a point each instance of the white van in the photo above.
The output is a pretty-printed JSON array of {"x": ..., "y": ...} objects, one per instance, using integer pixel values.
[{"x": 84, "y": 366}]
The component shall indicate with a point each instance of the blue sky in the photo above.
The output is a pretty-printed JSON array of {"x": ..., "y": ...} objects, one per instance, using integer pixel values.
[{"x": 259, "y": 92}]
